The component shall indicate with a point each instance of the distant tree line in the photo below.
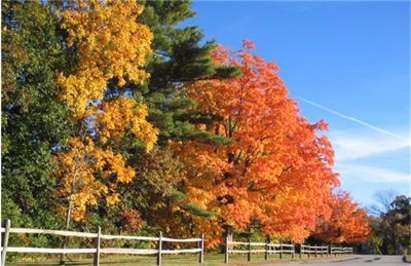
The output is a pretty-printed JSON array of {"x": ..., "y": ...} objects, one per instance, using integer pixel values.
[{"x": 391, "y": 226}]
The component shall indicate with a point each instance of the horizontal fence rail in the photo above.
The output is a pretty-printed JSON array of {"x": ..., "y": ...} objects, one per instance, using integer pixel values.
[
  {"x": 50, "y": 232},
  {"x": 341, "y": 250},
  {"x": 256, "y": 247},
  {"x": 281, "y": 249},
  {"x": 98, "y": 236},
  {"x": 233, "y": 247},
  {"x": 316, "y": 250}
]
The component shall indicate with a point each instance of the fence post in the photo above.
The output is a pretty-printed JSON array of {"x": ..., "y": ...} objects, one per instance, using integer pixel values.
[
  {"x": 226, "y": 249},
  {"x": 281, "y": 250},
  {"x": 249, "y": 249},
  {"x": 266, "y": 249},
  {"x": 301, "y": 250},
  {"x": 160, "y": 245},
  {"x": 5, "y": 242},
  {"x": 201, "y": 244},
  {"x": 293, "y": 249},
  {"x": 98, "y": 243}
]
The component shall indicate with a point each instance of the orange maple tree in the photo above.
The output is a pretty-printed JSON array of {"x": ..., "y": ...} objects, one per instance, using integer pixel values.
[
  {"x": 277, "y": 172},
  {"x": 347, "y": 223}
]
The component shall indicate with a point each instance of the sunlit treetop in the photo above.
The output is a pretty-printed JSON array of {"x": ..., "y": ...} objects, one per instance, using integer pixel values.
[{"x": 110, "y": 45}]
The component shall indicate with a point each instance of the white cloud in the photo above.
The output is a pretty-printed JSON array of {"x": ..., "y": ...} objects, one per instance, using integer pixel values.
[
  {"x": 350, "y": 146},
  {"x": 371, "y": 174},
  {"x": 358, "y": 121},
  {"x": 365, "y": 144}
]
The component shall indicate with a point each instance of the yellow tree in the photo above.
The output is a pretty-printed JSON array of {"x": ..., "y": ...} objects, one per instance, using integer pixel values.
[
  {"x": 79, "y": 168},
  {"x": 122, "y": 115},
  {"x": 110, "y": 44},
  {"x": 111, "y": 48}
]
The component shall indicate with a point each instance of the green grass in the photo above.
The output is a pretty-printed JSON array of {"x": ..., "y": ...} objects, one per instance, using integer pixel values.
[{"x": 211, "y": 259}]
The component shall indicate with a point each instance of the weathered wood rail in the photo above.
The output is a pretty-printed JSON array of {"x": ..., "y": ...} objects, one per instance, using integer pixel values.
[
  {"x": 232, "y": 247},
  {"x": 257, "y": 247},
  {"x": 341, "y": 250},
  {"x": 98, "y": 250},
  {"x": 313, "y": 250}
]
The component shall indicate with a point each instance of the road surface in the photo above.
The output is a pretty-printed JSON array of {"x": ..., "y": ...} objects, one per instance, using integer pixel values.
[{"x": 356, "y": 260}]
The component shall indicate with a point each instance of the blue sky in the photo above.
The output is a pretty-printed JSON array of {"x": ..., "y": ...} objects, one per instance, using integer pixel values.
[{"x": 350, "y": 57}]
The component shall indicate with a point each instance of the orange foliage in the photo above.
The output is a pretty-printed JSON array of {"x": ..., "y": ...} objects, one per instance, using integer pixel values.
[
  {"x": 277, "y": 171},
  {"x": 132, "y": 220},
  {"x": 347, "y": 224}
]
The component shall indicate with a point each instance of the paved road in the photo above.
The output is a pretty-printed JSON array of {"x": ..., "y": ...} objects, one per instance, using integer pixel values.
[{"x": 356, "y": 260}]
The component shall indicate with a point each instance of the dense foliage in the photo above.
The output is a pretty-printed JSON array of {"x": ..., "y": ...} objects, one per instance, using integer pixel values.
[
  {"x": 34, "y": 121},
  {"x": 391, "y": 228},
  {"x": 114, "y": 115},
  {"x": 348, "y": 222},
  {"x": 276, "y": 174}
]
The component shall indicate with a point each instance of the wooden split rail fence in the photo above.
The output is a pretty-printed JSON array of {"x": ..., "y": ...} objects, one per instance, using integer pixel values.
[
  {"x": 313, "y": 250},
  {"x": 97, "y": 250},
  {"x": 257, "y": 247},
  {"x": 341, "y": 250},
  {"x": 233, "y": 247}
]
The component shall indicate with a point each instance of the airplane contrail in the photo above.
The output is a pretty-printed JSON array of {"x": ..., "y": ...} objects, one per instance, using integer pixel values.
[{"x": 356, "y": 120}]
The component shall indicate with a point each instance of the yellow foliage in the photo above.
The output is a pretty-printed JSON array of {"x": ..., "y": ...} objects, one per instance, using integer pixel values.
[
  {"x": 87, "y": 173},
  {"x": 110, "y": 44},
  {"x": 122, "y": 115}
]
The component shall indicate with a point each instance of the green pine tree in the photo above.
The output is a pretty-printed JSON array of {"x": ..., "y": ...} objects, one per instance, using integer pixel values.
[{"x": 179, "y": 58}]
